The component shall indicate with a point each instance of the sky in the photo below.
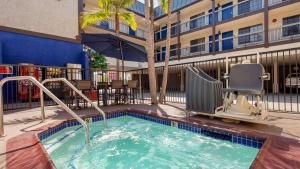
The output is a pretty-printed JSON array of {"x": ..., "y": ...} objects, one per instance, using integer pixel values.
[{"x": 155, "y": 2}]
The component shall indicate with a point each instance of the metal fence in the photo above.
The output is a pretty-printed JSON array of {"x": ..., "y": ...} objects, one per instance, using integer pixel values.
[
  {"x": 23, "y": 94},
  {"x": 281, "y": 91}
]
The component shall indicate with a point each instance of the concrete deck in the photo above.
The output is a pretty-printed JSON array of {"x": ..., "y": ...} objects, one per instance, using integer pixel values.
[{"x": 23, "y": 121}]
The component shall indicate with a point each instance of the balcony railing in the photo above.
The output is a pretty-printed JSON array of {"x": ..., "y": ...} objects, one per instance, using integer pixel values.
[
  {"x": 123, "y": 28},
  {"x": 285, "y": 32},
  {"x": 162, "y": 34},
  {"x": 222, "y": 14},
  {"x": 282, "y": 33},
  {"x": 239, "y": 9},
  {"x": 249, "y": 39},
  {"x": 230, "y": 43},
  {"x": 195, "y": 23},
  {"x": 275, "y": 2}
]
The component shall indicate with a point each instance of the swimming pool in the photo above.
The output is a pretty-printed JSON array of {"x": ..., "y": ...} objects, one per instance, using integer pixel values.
[{"x": 140, "y": 141}]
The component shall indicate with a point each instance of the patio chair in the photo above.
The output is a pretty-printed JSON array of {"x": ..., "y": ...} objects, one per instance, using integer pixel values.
[
  {"x": 118, "y": 90},
  {"x": 132, "y": 86},
  {"x": 84, "y": 86},
  {"x": 244, "y": 80},
  {"x": 102, "y": 92}
]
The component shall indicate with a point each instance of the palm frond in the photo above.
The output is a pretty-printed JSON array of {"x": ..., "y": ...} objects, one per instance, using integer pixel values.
[
  {"x": 164, "y": 5},
  {"x": 128, "y": 17},
  {"x": 94, "y": 17},
  {"x": 127, "y": 3},
  {"x": 104, "y": 4},
  {"x": 121, "y": 4}
]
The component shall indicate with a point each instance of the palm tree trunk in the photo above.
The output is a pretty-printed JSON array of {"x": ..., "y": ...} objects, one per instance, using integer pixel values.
[
  {"x": 167, "y": 59},
  {"x": 117, "y": 29},
  {"x": 149, "y": 16}
]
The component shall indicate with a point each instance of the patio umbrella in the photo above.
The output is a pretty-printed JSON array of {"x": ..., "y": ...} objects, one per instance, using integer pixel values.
[{"x": 115, "y": 47}]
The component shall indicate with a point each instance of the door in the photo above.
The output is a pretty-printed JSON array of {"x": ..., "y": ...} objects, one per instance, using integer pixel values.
[
  {"x": 227, "y": 40},
  {"x": 131, "y": 31},
  {"x": 227, "y": 12},
  {"x": 157, "y": 55},
  {"x": 163, "y": 54},
  {"x": 164, "y": 32},
  {"x": 211, "y": 14},
  {"x": 216, "y": 43}
]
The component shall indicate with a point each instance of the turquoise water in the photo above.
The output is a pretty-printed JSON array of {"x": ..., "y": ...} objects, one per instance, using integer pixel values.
[{"x": 134, "y": 143}]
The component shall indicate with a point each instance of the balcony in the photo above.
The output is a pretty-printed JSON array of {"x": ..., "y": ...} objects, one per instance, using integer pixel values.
[
  {"x": 285, "y": 32},
  {"x": 290, "y": 32},
  {"x": 225, "y": 44},
  {"x": 229, "y": 11},
  {"x": 110, "y": 25},
  {"x": 226, "y": 12},
  {"x": 275, "y": 2}
]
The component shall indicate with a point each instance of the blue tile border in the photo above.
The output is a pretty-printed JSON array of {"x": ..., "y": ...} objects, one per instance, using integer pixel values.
[{"x": 206, "y": 131}]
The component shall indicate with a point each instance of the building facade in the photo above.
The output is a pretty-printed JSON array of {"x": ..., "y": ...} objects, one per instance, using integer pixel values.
[
  {"x": 204, "y": 30},
  {"x": 41, "y": 32}
]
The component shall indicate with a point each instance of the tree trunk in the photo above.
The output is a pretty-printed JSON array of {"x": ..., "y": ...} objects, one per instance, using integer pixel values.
[
  {"x": 117, "y": 29},
  {"x": 162, "y": 95},
  {"x": 149, "y": 16}
]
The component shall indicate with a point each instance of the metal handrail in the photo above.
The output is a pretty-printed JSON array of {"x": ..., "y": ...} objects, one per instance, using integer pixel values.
[
  {"x": 50, "y": 94},
  {"x": 77, "y": 91}
]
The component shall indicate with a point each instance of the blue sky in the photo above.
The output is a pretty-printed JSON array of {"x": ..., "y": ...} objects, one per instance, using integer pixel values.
[{"x": 155, "y": 2}]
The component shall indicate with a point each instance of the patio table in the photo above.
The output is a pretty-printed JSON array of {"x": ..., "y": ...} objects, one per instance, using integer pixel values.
[{"x": 108, "y": 90}]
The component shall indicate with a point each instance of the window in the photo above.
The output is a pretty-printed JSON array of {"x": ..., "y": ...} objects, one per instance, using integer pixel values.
[
  {"x": 293, "y": 26},
  {"x": 227, "y": 11},
  {"x": 157, "y": 55},
  {"x": 163, "y": 53},
  {"x": 131, "y": 31},
  {"x": 173, "y": 50},
  {"x": 211, "y": 15},
  {"x": 104, "y": 25},
  {"x": 227, "y": 40},
  {"x": 216, "y": 43},
  {"x": 243, "y": 7},
  {"x": 163, "y": 32},
  {"x": 197, "y": 21},
  {"x": 246, "y": 6},
  {"x": 197, "y": 45},
  {"x": 250, "y": 34},
  {"x": 173, "y": 29},
  {"x": 157, "y": 35}
]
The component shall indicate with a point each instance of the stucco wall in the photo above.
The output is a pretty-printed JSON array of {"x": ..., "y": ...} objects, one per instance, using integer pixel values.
[{"x": 54, "y": 17}]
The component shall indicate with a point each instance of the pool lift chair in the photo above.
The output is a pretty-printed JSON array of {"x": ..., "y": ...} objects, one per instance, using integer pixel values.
[{"x": 245, "y": 80}]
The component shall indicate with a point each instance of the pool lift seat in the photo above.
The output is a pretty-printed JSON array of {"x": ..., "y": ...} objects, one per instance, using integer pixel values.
[{"x": 244, "y": 80}]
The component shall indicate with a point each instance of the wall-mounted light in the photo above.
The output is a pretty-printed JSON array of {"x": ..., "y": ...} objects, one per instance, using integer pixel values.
[
  {"x": 274, "y": 20},
  {"x": 219, "y": 32}
]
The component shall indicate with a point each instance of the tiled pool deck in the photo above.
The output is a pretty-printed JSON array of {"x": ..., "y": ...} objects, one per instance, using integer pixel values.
[{"x": 26, "y": 151}]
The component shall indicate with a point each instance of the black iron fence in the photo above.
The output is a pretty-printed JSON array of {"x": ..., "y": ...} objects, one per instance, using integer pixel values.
[
  {"x": 281, "y": 91},
  {"x": 23, "y": 94}
]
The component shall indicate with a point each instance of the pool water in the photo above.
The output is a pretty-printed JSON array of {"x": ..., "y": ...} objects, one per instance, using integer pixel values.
[{"x": 135, "y": 143}]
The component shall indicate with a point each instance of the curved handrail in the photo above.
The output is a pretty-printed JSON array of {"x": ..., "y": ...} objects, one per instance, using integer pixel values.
[
  {"x": 78, "y": 92},
  {"x": 50, "y": 94}
]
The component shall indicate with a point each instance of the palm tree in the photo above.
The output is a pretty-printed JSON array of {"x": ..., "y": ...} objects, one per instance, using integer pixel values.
[
  {"x": 166, "y": 6},
  {"x": 111, "y": 9},
  {"x": 149, "y": 17}
]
